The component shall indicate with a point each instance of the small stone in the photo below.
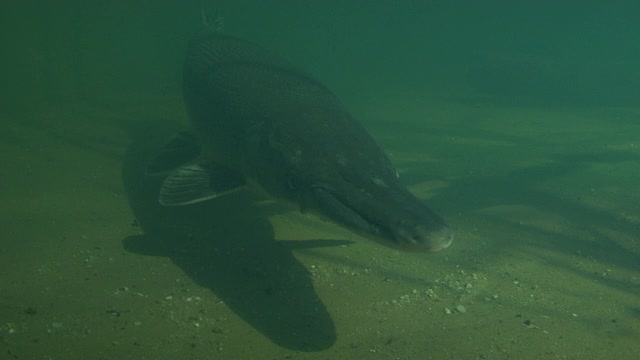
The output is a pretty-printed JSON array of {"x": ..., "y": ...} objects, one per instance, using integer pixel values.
[
  {"x": 461, "y": 309},
  {"x": 447, "y": 311},
  {"x": 30, "y": 311}
]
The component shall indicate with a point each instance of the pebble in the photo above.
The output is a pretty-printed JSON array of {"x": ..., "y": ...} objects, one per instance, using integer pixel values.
[{"x": 461, "y": 309}]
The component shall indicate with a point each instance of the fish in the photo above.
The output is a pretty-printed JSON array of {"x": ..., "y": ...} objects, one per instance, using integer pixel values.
[{"x": 261, "y": 122}]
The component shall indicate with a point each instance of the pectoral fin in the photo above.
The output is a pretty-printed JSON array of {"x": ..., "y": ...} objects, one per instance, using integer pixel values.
[
  {"x": 194, "y": 183},
  {"x": 181, "y": 149}
]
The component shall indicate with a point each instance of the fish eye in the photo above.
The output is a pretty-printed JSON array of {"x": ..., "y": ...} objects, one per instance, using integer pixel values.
[{"x": 378, "y": 181}]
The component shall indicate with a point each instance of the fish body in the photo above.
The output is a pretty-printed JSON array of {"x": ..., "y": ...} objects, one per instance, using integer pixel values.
[{"x": 259, "y": 120}]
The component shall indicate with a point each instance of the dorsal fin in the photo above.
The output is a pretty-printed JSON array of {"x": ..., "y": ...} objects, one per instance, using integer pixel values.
[{"x": 210, "y": 22}]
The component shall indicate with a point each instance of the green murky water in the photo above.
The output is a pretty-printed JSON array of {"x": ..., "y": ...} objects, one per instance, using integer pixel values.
[{"x": 518, "y": 123}]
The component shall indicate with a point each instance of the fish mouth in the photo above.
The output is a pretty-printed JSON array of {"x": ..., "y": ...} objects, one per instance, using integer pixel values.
[
  {"x": 398, "y": 220},
  {"x": 425, "y": 239}
]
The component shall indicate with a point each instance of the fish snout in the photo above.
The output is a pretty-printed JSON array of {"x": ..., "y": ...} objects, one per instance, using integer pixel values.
[{"x": 423, "y": 238}]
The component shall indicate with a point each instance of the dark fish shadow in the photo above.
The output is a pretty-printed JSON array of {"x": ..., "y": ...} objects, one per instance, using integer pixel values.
[{"x": 228, "y": 246}]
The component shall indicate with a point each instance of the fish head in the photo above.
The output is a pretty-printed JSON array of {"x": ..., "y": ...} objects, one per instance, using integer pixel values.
[
  {"x": 365, "y": 195},
  {"x": 336, "y": 169}
]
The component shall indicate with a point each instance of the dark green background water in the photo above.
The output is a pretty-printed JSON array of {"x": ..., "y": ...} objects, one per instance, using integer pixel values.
[{"x": 549, "y": 52}]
